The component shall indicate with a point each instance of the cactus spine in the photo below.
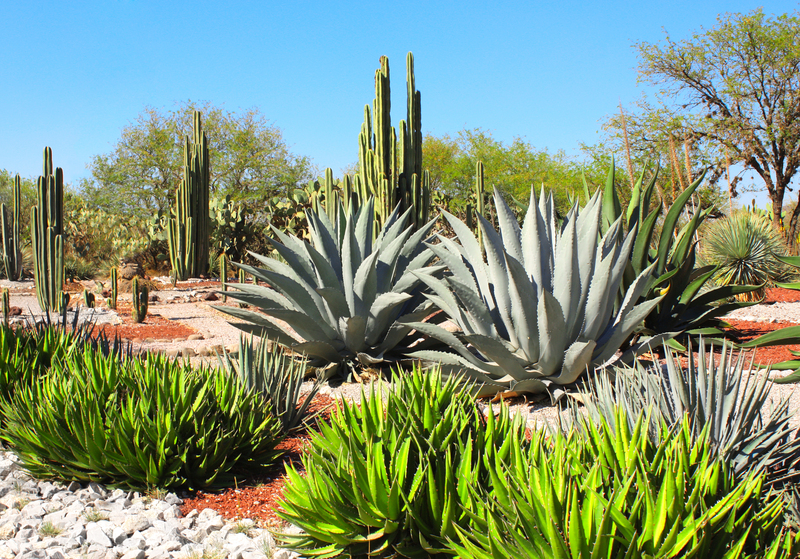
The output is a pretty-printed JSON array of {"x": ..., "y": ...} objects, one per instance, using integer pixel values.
[
  {"x": 12, "y": 251},
  {"x": 223, "y": 275},
  {"x": 188, "y": 231},
  {"x": 140, "y": 298},
  {"x": 47, "y": 229}
]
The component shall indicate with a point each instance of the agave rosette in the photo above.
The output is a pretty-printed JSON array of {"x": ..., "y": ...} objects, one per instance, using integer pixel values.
[
  {"x": 343, "y": 293},
  {"x": 538, "y": 310}
]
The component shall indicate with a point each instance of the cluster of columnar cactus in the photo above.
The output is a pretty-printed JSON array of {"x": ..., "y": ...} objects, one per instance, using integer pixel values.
[
  {"x": 47, "y": 235},
  {"x": 188, "y": 230},
  {"x": 12, "y": 251}
]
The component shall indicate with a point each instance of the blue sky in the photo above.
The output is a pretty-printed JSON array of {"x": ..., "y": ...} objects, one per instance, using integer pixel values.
[{"x": 73, "y": 74}]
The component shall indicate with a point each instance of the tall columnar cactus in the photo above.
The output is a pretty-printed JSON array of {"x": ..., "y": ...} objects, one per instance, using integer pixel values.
[
  {"x": 188, "y": 231},
  {"x": 12, "y": 251},
  {"x": 6, "y": 304},
  {"x": 112, "y": 301},
  {"x": 223, "y": 275},
  {"x": 47, "y": 236},
  {"x": 140, "y": 298},
  {"x": 391, "y": 170}
]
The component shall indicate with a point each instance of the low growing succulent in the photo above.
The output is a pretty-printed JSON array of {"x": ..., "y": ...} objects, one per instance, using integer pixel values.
[
  {"x": 734, "y": 406},
  {"x": 389, "y": 478},
  {"x": 614, "y": 493},
  {"x": 140, "y": 423},
  {"x": 277, "y": 376},
  {"x": 538, "y": 310},
  {"x": 344, "y": 294}
]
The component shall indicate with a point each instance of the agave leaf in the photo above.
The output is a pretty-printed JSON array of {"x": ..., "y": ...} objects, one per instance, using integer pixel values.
[
  {"x": 641, "y": 249},
  {"x": 784, "y": 336},
  {"x": 788, "y": 285},
  {"x": 611, "y": 340},
  {"x": 478, "y": 318},
  {"x": 298, "y": 262},
  {"x": 382, "y": 313},
  {"x": 665, "y": 242},
  {"x": 259, "y": 295},
  {"x": 567, "y": 286},
  {"x": 552, "y": 333},
  {"x": 498, "y": 275},
  {"x": 305, "y": 325},
  {"x": 335, "y": 300},
  {"x": 350, "y": 263},
  {"x": 496, "y": 351},
  {"x": 509, "y": 227},
  {"x": 445, "y": 299},
  {"x": 524, "y": 304},
  {"x": 363, "y": 228},
  {"x": 538, "y": 263},
  {"x": 325, "y": 240},
  {"x": 366, "y": 285},
  {"x": 352, "y": 331},
  {"x": 577, "y": 359},
  {"x": 612, "y": 209},
  {"x": 318, "y": 349},
  {"x": 301, "y": 294}
]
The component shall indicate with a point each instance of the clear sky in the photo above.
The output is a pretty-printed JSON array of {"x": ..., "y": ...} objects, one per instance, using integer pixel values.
[{"x": 73, "y": 74}]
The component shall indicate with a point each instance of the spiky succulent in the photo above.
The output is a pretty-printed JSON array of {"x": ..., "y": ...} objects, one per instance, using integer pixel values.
[
  {"x": 343, "y": 293},
  {"x": 539, "y": 309},
  {"x": 719, "y": 396}
]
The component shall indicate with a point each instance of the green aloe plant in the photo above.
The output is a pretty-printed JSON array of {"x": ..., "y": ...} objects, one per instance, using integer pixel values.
[
  {"x": 343, "y": 293},
  {"x": 539, "y": 309},
  {"x": 615, "y": 493},
  {"x": 718, "y": 396}
]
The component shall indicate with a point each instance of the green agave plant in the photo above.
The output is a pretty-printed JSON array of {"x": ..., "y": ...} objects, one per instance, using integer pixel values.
[
  {"x": 140, "y": 423},
  {"x": 344, "y": 293},
  {"x": 539, "y": 309},
  {"x": 687, "y": 306},
  {"x": 615, "y": 493},
  {"x": 390, "y": 477},
  {"x": 277, "y": 376},
  {"x": 720, "y": 396}
]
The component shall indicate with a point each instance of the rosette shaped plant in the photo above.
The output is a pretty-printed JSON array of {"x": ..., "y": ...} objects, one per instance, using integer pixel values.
[
  {"x": 538, "y": 310},
  {"x": 343, "y": 293}
]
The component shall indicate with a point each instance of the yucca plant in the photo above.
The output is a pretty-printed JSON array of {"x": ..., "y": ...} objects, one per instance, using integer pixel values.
[
  {"x": 342, "y": 294},
  {"x": 140, "y": 423},
  {"x": 614, "y": 493},
  {"x": 713, "y": 393},
  {"x": 277, "y": 376},
  {"x": 538, "y": 310},
  {"x": 389, "y": 477},
  {"x": 745, "y": 246}
]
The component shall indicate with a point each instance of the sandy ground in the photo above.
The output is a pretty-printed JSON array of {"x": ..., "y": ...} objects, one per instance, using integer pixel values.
[{"x": 217, "y": 331}]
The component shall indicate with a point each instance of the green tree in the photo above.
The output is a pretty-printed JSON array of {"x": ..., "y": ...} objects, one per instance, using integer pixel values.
[
  {"x": 730, "y": 95},
  {"x": 514, "y": 167},
  {"x": 250, "y": 160},
  {"x": 27, "y": 195}
]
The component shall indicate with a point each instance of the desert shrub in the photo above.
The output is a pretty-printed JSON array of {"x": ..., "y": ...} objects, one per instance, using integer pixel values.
[
  {"x": 140, "y": 423},
  {"x": 745, "y": 246},
  {"x": 387, "y": 478}
]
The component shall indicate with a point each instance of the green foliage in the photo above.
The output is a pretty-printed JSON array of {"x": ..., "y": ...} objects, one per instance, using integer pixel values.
[
  {"x": 715, "y": 396},
  {"x": 249, "y": 160},
  {"x": 231, "y": 227},
  {"x": 615, "y": 493},
  {"x": 188, "y": 229},
  {"x": 539, "y": 309},
  {"x": 139, "y": 424},
  {"x": 47, "y": 236},
  {"x": 277, "y": 376},
  {"x": 514, "y": 168},
  {"x": 745, "y": 246},
  {"x": 343, "y": 293},
  {"x": 139, "y": 300},
  {"x": 10, "y": 231},
  {"x": 685, "y": 306},
  {"x": 388, "y": 478}
]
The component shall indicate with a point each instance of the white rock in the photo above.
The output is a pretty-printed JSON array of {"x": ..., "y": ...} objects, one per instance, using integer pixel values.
[{"x": 95, "y": 535}]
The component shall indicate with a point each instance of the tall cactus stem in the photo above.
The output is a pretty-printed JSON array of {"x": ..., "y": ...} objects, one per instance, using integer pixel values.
[
  {"x": 47, "y": 228},
  {"x": 6, "y": 306},
  {"x": 188, "y": 231},
  {"x": 113, "y": 299},
  {"x": 140, "y": 297},
  {"x": 12, "y": 247},
  {"x": 223, "y": 275}
]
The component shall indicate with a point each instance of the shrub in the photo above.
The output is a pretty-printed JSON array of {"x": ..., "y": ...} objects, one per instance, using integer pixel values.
[
  {"x": 140, "y": 423},
  {"x": 616, "y": 494},
  {"x": 387, "y": 478},
  {"x": 745, "y": 246}
]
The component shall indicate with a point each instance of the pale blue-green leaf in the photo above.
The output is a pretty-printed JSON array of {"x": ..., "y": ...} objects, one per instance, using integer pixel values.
[
  {"x": 524, "y": 308},
  {"x": 364, "y": 228},
  {"x": 479, "y": 317},
  {"x": 446, "y": 300},
  {"x": 577, "y": 359},
  {"x": 498, "y": 277},
  {"x": 566, "y": 282},
  {"x": 509, "y": 227},
  {"x": 302, "y": 295},
  {"x": 271, "y": 298},
  {"x": 353, "y": 333},
  {"x": 610, "y": 342},
  {"x": 350, "y": 263},
  {"x": 552, "y": 334},
  {"x": 325, "y": 240},
  {"x": 336, "y": 302},
  {"x": 320, "y": 350},
  {"x": 495, "y": 351},
  {"x": 538, "y": 256},
  {"x": 382, "y": 314},
  {"x": 366, "y": 285},
  {"x": 299, "y": 262},
  {"x": 307, "y": 327}
]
